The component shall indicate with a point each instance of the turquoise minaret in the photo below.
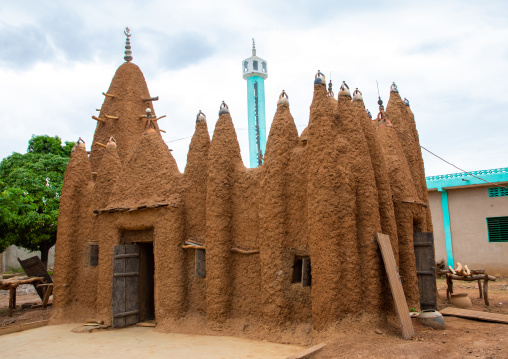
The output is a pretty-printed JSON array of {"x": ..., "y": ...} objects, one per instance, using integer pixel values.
[{"x": 255, "y": 72}]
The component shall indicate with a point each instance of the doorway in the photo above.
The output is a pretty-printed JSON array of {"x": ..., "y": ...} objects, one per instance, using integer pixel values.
[
  {"x": 146, "y": 282},
  {"x": 133, "y": 278}
]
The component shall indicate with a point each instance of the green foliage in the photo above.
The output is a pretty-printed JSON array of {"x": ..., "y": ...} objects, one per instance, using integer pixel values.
[
  {"x": 49, "y": 145},
  {"x": 15, "y": 270},
  {"x": 30, "y": 189}
]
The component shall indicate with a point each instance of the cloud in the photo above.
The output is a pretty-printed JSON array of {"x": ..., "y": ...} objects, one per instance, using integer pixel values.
[
  {"x": 24, "y": 46},
  {"x": 176, "y": 51},
  {"x": 185, "y": 49},
  {"x": 446, "y": 57},
  {"x": 430, "y": 47}
]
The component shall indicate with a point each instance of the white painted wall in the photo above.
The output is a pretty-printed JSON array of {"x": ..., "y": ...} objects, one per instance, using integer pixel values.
[{"x": 9, "y": 258}]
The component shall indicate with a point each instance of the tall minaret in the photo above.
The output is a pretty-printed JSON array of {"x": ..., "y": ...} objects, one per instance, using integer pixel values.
[{"x": 255, "y": 72}]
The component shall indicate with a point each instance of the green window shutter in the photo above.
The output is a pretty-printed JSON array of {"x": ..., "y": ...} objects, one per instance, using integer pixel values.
[
  {"x": 497, "y": 228},
  {"x": 498, "y": 192}
]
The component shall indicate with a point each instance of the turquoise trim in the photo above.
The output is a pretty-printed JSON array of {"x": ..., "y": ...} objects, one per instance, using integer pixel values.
[
  {"x": 463, "y": 179},
  {"x": 447, "y": 227},
  {"x": 252, "y": 118}
]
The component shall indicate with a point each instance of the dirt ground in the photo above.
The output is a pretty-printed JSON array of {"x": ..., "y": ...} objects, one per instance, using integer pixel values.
[
  {"x": 462, "y": 338},
  {"x": 25, "y": 294}
]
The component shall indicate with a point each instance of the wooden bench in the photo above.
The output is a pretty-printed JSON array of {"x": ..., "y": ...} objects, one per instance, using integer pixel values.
[
  {"x": 12, "y": 284},
  {"x": 476, "y": 275}
]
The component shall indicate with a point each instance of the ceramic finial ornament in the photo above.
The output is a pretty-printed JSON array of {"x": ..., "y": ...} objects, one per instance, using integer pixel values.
[
  {"x": 357, "y": 95},
  {"x": 319, "y": 78},
  {"x": 344, "y": 89},
  {"x": 79, "y": 143},
  {"x": 393, "y": 88},
  {"x": 283, "y": 99},
  {"x": 223, "y": 108},
  {"x": 201, "y": 117},
  {"x": 128, "y": 52}
]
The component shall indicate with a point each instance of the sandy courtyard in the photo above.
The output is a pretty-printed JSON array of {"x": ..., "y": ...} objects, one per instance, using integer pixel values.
[{"x": 57, "y": 341}]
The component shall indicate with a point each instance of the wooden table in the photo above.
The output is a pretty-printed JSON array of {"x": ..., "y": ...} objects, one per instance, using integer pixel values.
[
  {"x": 476, "y": 275},
  {"x": 12, "y": 284}
]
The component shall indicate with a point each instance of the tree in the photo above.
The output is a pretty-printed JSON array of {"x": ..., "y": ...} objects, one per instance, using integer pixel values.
[
  {"x": 49, "y": 145},
  {"x": 30, "y": 189}
]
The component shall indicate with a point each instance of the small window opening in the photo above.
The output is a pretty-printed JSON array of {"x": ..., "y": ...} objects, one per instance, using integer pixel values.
[
  {"x": 417, "y": 226},
  {"x": 255, "y": 65},
  {"x": 94, "y": 255},
  {"x": 200, "y": 263},
  {"x": 263, "y": 66},
  {"x": 497, "y": 228},
  {"x": 245, "y": 66},
  {"x": 498, "y": 192},
  {"x": 302, "y": 271}
]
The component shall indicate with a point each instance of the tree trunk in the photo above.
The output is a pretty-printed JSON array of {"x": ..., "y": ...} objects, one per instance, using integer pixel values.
[{"x": 44, "y": 248}]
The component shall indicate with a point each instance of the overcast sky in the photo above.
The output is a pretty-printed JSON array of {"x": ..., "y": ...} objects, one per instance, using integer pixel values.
[{"x": 449, "y": 58}]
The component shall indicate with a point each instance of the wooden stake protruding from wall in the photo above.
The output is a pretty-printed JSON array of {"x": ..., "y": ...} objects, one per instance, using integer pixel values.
[
  {"x": 158, "y": 118},
  {"x": 156, "y": 98},
  {"x": 108, "y": 95},
  {"x": 100, "y": 144},
  {"x": 98, "y": 119},
  {"x": 111, "y": 117},
  {"x": 162, "y": 130}
]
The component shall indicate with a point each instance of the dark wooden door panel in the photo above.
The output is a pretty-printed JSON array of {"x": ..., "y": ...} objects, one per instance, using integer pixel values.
[
  {"x": 426, "y": 269},
  {"x": 125, "y": 285}
]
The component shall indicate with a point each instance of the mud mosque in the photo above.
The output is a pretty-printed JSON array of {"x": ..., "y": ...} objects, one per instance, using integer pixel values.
[{"x": 288, "y": 245}]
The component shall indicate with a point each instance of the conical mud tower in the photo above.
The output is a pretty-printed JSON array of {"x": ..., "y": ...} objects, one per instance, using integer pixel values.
[
  {"x": 270, "y": 252},
  {"x": 123, "y": 112}
]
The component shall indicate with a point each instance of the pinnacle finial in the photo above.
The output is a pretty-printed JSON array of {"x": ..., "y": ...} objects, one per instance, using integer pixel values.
[
  {"x": 253, "y": 47},
  {"x": 201, "y": 117},
  {"x": 79, "y": 143},
  {"x": 382, "y": 117},
  {"x": 357, "y": 95},
  {"x": 128, "y": 52},
  {"x": 283, "y": 99},
  {"x": 344, "y": 89},
  {"x": 330, "y": 91},
  {"x": 223, "y": 108},
  {"x": 319, "y": 78}
]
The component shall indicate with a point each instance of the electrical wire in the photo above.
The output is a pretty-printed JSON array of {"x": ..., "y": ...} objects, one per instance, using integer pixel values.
[{"x": 442, "y": 159}]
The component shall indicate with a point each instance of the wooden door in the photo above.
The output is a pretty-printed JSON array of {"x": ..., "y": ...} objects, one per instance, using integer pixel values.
[
  {"x": 125, "y": 285},
  {"x": 426, "y": 269}
]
